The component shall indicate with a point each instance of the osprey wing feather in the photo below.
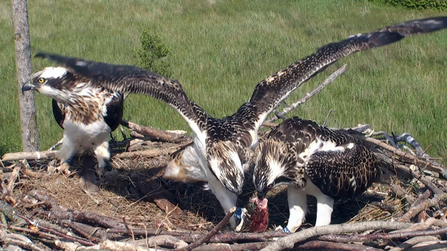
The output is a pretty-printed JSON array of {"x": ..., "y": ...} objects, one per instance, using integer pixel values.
[
  {"x": 130, "y": 79},
  {"x": 274, "y": 89}
]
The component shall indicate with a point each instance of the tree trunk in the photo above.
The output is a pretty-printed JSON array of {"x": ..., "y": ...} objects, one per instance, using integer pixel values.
[{"x": 30, "y": 135}]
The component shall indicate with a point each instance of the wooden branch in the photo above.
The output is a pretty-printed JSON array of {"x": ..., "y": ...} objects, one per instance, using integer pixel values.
[
  {"x": 407, "y": 245},
  {"x": 404, "y": 234},
  {"x": 401, "y": 193},
  {"x": 327, "y": 117},
  {"x": 190, "y": 237},
  {"x": 55, "y": 232},
  {"x": 152, "y": 152},
  {"x": 58, "y": 213},
  {"x": 153, "y": 133},
  {"x": 29, "y": 155},
  {"x": 162, "y": 197},
  {"x": 122, "y": 246},
  {"x": 72, "y": 246},
  {"x": 231, "y": 247},
  {"x": 290, "y": 240},
  {"x": 408, "y": 157},
  {"x": 38, "y": 233},
  {"x": 328, "y": 245},
  {"x": 214, "y": 231},
  {"x": 12, "y": 179},
  {"x": 86, "y": 231},
  {"x": 7, "y": 239},
  {"x": 319, "y": 88},
  {"x": 269, "y": 124},
  {"x": 428, "y": 182},
  {"x": 27, "y": 170},
  {"x": 426, "y": 203},
  {"x": 425, "y": 180},
  {"x": 160, "y": 240}
]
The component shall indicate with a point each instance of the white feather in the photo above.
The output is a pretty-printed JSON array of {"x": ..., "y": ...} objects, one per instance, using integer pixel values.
[
  {"x": 54, "y": 93},
  {"x": 320, "y": 145},
  {"x": 276, "y": 167},
  {"x": 53, "y": 72},
  {"x": 86, "y": 137}
]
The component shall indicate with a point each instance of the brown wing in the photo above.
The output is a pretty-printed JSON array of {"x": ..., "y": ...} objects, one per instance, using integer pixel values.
[
  {"x": 271, "y": 91},
  {"x": 130, "y": 79},
  {"x": 343, "y": 174}
]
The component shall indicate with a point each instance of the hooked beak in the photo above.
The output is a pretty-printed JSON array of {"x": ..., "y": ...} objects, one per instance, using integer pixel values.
[
  {"x": 28, "y": 86},
  {"x": 260, "y": 201},
  {"x": 261, "y": 195}
]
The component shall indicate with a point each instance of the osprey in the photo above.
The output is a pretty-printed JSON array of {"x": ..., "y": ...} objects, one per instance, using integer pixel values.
[
  {"x": 85, "y": 110},
  {"x": 222, "y": 147},
  {"x": 314, "y": 160}
]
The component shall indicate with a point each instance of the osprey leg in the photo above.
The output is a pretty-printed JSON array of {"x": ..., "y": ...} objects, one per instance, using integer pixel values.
[
  {"x": 226, "y": 198},
  {"x": 297, "y": 200}
]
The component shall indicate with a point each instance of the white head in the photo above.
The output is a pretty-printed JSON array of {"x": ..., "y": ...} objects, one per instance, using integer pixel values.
[{"x": 51, "y": 81}]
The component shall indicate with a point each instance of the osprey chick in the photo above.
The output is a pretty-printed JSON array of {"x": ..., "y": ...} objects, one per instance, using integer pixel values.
[
  {"x": 314, "y": 160},
  {"x": 86, "y": 111}
]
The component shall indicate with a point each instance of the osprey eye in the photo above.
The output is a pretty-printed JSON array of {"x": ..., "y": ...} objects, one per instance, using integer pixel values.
[
  {"x": 270, "y": 186},
  {"x": 41, "y": 80}
]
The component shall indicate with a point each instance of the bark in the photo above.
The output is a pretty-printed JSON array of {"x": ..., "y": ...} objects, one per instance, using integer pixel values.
[
  {"x": 29, "y": 155},
  {"x": 152, "y": 152},
  {"x": 153, "y": 133},
  {"x": 290, "y": 240},
  {"x": 28, "y": 122}
]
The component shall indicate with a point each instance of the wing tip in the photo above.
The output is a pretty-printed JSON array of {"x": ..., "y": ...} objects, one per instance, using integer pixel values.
[
  {"x": 41, "y": 55},
  {"x": 432, "y": 24},
  {"x": 46, "y": 55}
]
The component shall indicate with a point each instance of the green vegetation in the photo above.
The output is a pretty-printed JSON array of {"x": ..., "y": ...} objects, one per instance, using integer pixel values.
[
  {"x": 219, "y": 50},
  {"x": 416, "y": 4},
  {"x": 153, "y": 54}
]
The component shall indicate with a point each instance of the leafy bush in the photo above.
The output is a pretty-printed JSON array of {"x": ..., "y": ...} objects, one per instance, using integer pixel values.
[
  {"x": 416, "y": 4},
  {"x": 153, "y": 54}
]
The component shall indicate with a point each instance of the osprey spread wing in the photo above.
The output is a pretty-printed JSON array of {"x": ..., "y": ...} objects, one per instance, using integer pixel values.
[{"x": 222, "y": 146}]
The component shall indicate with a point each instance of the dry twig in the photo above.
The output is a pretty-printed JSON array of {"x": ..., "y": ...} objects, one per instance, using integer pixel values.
[
  {"x": 214, "y": 231},
  {"x": 319, "y": 88}
]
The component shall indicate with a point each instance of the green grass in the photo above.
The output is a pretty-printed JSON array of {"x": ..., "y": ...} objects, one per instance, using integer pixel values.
[{"x": 220, "y": 50}]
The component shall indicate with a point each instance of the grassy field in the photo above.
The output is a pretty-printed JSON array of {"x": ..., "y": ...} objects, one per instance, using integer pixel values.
[{"x": 221, "y": 49}]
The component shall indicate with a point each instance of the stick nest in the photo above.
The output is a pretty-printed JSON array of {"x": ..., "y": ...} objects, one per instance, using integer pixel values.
[{"x": 136, "y": 209}]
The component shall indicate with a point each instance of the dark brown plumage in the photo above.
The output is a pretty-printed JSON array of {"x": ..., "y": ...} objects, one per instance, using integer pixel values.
[{"x": 315, "y": 160}]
